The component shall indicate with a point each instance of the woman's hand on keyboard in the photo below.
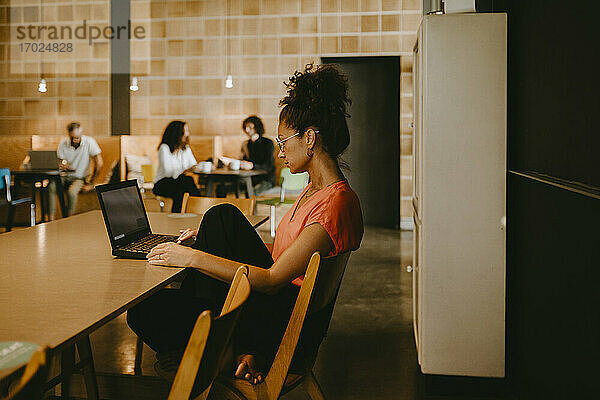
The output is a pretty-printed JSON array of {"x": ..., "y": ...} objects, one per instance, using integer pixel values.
[
  {"x": 186, "y": 234},
  {"x": 171, "y": 254}
]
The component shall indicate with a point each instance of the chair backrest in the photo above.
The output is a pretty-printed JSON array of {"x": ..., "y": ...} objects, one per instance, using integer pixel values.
[
  {"x": 4, "y": 177},
  {"x": 319, "y": 289},
  {"x": 33, "y": 381},
  {"x": 148, "y": 172},
  {"x": 205, "y": 353},
  {"x": 158, "y": 204},
  {"x": 200, "y": 205},
  {"x": 291, "y": 182}
]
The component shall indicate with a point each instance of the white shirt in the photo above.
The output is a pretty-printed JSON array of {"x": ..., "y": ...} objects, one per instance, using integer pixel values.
[
  {"x": 79, "y": 158},
  {"x": 171, "y": 165}
]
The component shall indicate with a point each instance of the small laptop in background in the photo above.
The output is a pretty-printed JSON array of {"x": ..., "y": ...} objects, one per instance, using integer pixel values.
[
  {"x": 43, "y": 159},
  {"x": 127, "y": 222}
]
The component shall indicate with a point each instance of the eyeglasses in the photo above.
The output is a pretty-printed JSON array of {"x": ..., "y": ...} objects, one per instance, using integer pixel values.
[{"x": 281, "y": 142}]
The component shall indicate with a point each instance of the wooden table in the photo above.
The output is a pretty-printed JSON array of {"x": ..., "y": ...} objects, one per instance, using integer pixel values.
[
  {"x": 225, "y": 175},
  {"x": 59, "y": 281}
]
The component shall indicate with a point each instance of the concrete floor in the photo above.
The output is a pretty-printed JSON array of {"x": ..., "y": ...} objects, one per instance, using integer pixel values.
[{"x": 369, "y": 352}]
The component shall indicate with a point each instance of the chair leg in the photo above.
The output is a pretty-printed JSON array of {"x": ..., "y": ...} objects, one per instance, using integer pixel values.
[
  {"x": 67, "y": 363},
  {"x": 312, "y": 387},
  {"x": 273, "y": 221},
  {"x": 139, "y": 351},
  {"x": 89, "y": 373},
  {"x": 9, "y": 217}
]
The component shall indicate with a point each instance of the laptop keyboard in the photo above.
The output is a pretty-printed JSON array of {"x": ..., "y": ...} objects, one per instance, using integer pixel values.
[{"x": 145, "y": 244}]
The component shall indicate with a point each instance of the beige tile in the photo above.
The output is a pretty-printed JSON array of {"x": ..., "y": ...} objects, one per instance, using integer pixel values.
[
  {"x": 369, "y": 44},
  {"x": 139, "y": 106},
  {"x": 406, "y": 64},
  {"x": 65, "y": 13},
  {"x": 330, "y": 6},
  {"x": 192, "y": 87},
  {"x": 349, "y": 44},
  {"x": 270, "y": 25},
  {"x": 193, "y": 47},
  {"x": 175, "y": 87},
  {"x": 101, "y": 11},
  {"x": 140, "y": 10},
  {"x": 140, "y": 67},
  {"x": 391, "y": 5},
  {"x": 350, "y": 23},
  {"x": 390, "y": 22},
  {"x": 100, "y": 127},
  {"x": 195, "y": 124},
  {"x": 291, "y": 6},
  {"x": 250, "y": 7},
  {"x": 81, "y": 12},
  {"x": 411, "y": 4},
  {"x": 232, "y": 106},
  {"x": 390, "y": 43},
  {"x": 369, "y": 23},
  {"x": 193, "y": 8},
  {"x": 158, "y": 9},
  {"x": 268, "y": 65},
  {"x": 406, "y": 166},
  {"x": 408, "y": 42},
  {"x": 410, "y": 22},
  {"x": 175, "y": 48},
  {"x": 157, "y": 125},
  {"x": 308, "y": 24},
  {"x": 212, "y": 27},
  {"x": 250, "y": 86},
  {"x": 350, "y": 5},
  {"x": 194, "y": 28},
  {"x": 329, "y": 24},
  {"x": 210, "y": 66},
  {"x": 406, "y": 146},
  {"x": 213, "y": 126},
  {"x": 158, "y": 106},
  {"x": 270, "y": 7},
  {"x": 270, "y": 46},
  {"x": 158, "y": 67},
  {"x": 250, "y": 66},
  {"x": 213, "y": 87},
  {"x": 157, "y": 29},
  {"x": 329, "y": 45},
  {"x": 138, "y": 49},
  {"x": 250, "y": 26},
  {"x": 309, "y": 6},
  {"x": 158, "y": 87},
  {"x": 233, "y": 27},
  {"x": 140, "y": 126},
  {"x": 82, "y": 107},
  {"x": 310, "y": 45},
  {"x": 215, "y": 7},
  {"x": 289, "y": 45},
  {"x": 369, "y": 5},
  {"x": 176, "y": 106},
  {"x": 250, "y": 46},
  {"x": 289, "y": 25},
  {"x": 16, "y": 108},
  {"x": 175, "y": 29}
]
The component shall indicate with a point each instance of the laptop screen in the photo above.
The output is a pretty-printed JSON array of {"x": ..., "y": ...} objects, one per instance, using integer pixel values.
[{"x": 124, "y": 212}]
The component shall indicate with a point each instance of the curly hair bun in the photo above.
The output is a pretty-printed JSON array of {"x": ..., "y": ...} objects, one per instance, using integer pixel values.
[{"x": 318, "y": 97}]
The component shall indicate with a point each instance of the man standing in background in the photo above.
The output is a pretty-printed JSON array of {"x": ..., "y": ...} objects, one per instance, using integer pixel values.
[{"x": 75, "y": 153}]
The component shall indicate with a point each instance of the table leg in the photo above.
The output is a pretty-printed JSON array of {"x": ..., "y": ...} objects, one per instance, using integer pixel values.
[
  {"x": 210, "y": 187},
  {"x": 89, "y": 374},
  {"x": 249, "y": 187},
  {"x": 67, "y": 363},
  {"x": 60, "y": 191}
]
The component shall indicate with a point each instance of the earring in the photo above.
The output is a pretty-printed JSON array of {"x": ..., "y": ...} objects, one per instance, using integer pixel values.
[{"x": 309, "y": 152}]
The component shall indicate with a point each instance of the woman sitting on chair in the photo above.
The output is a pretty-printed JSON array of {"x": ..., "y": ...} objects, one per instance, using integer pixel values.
[
  {"x": 174, "y": 158},
  {"x": 312, "y": 134}
]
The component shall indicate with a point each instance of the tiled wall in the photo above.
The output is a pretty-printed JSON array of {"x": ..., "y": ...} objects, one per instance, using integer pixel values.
[
  {"x": 192, "y": 45},
  {"x": 78, "y": 83}
]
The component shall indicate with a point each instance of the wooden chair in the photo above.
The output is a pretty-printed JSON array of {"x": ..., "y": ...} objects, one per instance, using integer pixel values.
[
  {"x": 157, "y": 203},
  {"x": 318, "y": 293},
  {"x": 33, "y": 381},
  {"x": 200, "y": 205},
  {"x": 205, "y": 353}
]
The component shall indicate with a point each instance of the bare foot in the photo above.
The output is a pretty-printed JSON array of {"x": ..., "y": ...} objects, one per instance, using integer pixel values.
[{"x": 248, "y": 369}]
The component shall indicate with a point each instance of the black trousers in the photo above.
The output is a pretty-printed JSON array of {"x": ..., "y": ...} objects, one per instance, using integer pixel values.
[
  {"x": 175, "y": 188},
  {"x": 165, "y": 320}
]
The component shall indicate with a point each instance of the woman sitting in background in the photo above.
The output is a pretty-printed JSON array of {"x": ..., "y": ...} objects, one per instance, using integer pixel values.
[
  {"x": 174, "y": 158},
  {"x": 312, "y": 134},
  {"x": 257, "y": 153}
]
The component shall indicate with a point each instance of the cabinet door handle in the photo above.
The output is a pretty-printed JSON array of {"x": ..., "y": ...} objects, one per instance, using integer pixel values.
[{"x": 409, "y": 269}]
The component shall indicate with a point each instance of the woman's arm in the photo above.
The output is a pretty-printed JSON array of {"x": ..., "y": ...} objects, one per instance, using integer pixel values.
[{"x": 291, "y": 264}]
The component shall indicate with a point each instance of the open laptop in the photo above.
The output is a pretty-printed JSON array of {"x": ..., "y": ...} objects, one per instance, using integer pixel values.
[
  {"x": 43, "y": 160},
  {"x": 126, "y": 220}
]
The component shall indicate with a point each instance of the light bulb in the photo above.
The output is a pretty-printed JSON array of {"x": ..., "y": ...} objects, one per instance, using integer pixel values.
[
  {"x": 134, "y": 85},
  {"x": 42, "y": 87},
  {"x": 229, "y": 82}
]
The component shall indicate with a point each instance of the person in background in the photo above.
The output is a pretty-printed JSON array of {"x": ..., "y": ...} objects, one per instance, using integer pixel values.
[
  {"x": 75, "y": 153},
  {"x": 174, "y": 158},
  {"x": 257, "y": 153}
]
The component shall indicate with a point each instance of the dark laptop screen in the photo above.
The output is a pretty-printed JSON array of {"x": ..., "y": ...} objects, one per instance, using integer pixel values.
[{"x": 124, "y": 211}]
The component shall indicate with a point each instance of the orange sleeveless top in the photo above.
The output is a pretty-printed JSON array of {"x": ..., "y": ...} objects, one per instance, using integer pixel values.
[{"x": 335, "y": 207}]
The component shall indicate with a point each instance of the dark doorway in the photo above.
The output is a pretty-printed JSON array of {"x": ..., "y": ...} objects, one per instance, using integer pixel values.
[{"x": 374, "y": 152}]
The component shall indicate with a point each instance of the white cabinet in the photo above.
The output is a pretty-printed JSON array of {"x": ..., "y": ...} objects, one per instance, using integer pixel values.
[{"x": 459, "y": 194}]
